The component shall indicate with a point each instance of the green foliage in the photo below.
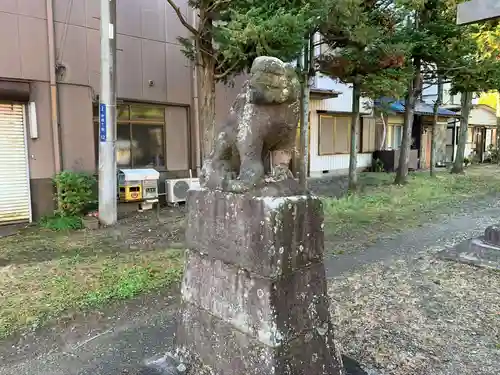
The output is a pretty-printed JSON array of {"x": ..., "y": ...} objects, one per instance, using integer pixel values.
[
  {"x": 234, "y": 33},
  {"x": 61, "y": 223},
  {"x": 365, "y": 47},
  {"x": 76, "y": 193},
  {"x": 377, "y": 165},
  {"x": 492, "y": 154},
  {"x": 449, "y": 50}
]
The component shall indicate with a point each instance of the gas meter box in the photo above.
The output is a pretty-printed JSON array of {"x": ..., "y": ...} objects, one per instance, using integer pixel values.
[
  {"x": 129, "y": 185},
  {"x": 150, "y": 184},
  {"x": 138, "y": 184}
]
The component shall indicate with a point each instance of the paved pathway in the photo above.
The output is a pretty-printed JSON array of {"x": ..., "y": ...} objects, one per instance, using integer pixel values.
[{"x": 116, "y": 341}]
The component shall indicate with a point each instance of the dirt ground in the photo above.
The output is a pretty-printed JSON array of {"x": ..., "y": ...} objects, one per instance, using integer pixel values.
[
  {"x": 397, "y": 309},
  {"x": 419, "y": 317}
]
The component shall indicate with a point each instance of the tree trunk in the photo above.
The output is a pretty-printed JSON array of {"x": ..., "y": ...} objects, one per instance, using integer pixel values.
[
  {"x": 353, "y": 156},
  {"x": 437, "y": 104},
  {"x": 404, "y": 154},
  {"x": 384, "y": 133},
  {"x": 466, "y": 103},
  {"x": 207, "y": 103}
]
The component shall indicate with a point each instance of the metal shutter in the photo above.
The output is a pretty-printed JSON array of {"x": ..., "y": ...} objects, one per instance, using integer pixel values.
[{"x": 15, "y": 201}]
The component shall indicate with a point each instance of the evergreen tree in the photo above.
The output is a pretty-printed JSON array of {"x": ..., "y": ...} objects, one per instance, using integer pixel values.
[
  {"x": 440, "y": 49},
  {"x": 365, "y": 50},
  {"x": 473, "y": 73},
  {"x": 228, "y": 35}
]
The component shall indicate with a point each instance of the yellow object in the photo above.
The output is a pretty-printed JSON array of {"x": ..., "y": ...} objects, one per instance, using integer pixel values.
[
  {"x": 138, "y": 184},
  {"x": 131, "y": 192},
  {"x": 490, "y": 99}
]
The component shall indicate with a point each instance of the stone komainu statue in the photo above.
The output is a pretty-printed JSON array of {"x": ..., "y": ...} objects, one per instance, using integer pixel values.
[{"x": 262, "y": 120}]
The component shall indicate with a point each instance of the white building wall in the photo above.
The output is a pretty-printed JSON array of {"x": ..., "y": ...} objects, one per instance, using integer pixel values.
[
  {"x": 332, "y": 164},
  {"x": 328, "y": 164},
  {"x": 343, "y": 103},
  {"x": 429, "y": 95},
  {"x": 481, "y": 116}
]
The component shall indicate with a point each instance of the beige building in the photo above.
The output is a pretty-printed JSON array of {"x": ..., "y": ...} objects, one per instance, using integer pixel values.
[{"x": 49, "y": 87}]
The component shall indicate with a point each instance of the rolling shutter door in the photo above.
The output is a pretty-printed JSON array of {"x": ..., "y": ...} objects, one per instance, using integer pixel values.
[{"x": 15, "y": 202}]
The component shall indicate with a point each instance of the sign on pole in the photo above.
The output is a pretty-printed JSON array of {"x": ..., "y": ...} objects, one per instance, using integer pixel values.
[
  {"x": 102, "y": 122},
  {"x": 477, "y": 11}
]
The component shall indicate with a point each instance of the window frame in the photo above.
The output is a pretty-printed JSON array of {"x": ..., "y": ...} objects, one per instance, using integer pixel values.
[
  {"x": 130, "y": 124},
  {"x": 369, "y": 121},
  {"x": 335, "y": 116},
  {"x": 391, "y": 127}
]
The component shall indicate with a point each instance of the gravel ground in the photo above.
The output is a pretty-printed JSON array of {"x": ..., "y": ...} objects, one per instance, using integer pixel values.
[
  {"x": 420, "y": 317},
  {"x": 147, "y": 230}
]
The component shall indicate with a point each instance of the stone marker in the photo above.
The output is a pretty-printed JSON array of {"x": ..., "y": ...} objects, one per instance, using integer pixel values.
[
  {"x": 254, "y": 292},
  {"x": 483, "y": 251}
]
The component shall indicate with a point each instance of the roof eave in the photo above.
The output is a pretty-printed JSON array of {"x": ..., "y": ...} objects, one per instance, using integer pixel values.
[{"x": 322, "y": 94}]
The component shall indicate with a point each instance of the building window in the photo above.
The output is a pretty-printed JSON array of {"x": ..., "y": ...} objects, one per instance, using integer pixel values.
[
  {"x": 394, "y": 136},
  {"x": 140, "y": 135},
  {"x": 334, "y": 135},
  {"x": 368, "y": 134}
]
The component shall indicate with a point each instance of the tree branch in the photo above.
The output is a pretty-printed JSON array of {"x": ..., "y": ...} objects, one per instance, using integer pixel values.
[
  {"x": 228, "y": 71},
  {"x": 216, "y": 4},
  {"x": 184, "y": 22}
]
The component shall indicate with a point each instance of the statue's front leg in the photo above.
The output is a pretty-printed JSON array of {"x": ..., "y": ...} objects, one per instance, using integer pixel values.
[
  {"x": 217, "y": 168},
  {"x": 251, "y": 167}
]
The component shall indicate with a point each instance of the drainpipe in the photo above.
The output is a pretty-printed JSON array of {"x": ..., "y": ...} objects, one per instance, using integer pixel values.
[
  {"x": 196, "y": 111},
  {"x": 53, "y": 87}
]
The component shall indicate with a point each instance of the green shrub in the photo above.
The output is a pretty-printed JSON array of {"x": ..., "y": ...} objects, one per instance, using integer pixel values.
[
  {"x": 76, "y": 193},
  {"x": 60, "y": 223},
  {"x": 493, "y": 154},
  {"x": 377, "y": 165}
]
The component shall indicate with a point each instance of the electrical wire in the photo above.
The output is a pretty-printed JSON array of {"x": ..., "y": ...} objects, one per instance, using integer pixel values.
[{"x": 64, "y": 35}]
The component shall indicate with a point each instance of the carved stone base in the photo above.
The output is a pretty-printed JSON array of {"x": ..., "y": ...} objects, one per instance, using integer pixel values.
[
  {"x": 254, "y": 291},
  {"x": 483, "y": 251}
]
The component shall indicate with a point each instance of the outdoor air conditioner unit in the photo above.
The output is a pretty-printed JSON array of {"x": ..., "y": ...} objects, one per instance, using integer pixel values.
[{"x": 177, "y": 188}]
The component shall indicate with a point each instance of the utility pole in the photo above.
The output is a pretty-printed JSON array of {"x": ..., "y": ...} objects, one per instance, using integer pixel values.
[{"x": 107, "y": 116}]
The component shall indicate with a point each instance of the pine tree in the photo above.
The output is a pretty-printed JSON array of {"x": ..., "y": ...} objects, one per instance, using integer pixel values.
[
  {"x": 439, "y": 49},
  {"x": 228, "y": 35},
  {"x": 367, "y": 52},
  {"x": 473, "y": 74}
]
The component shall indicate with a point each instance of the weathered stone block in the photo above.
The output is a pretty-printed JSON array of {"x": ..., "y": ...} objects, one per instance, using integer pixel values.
[
  {"x": 254, "y": 290},
  {"x": 265, "y": 235},
  {"x": 228, "y": 351},
  {"x": 269, "y": 309},
  {"x": 475, "y": 251}
]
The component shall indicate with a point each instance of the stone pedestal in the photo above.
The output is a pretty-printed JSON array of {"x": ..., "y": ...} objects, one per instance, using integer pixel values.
[
  {"x": 483, "y": 251},
  {"x": 254, "y": 291}
]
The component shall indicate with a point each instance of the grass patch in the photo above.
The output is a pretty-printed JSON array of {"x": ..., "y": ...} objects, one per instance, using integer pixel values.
[
  {"x": 382, "y": 207},
  {"x": 61, "y": 223},
  {"x": 45, "y": 274}
]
